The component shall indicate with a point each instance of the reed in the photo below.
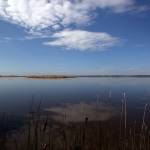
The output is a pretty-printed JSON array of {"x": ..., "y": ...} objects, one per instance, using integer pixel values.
[{"x": 41, "y": 133}]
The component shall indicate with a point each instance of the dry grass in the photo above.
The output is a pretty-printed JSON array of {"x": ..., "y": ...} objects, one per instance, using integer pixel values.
[{"x": 41, "y": 133}]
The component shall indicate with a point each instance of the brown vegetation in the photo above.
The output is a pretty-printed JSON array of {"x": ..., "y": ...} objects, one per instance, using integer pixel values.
[{"x": 42, "y": 133}]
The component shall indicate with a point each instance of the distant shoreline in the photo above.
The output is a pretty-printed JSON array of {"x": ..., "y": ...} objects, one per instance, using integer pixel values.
[
  {"x": 39, "y": 76},
  {"x": 72, "y": 76}
]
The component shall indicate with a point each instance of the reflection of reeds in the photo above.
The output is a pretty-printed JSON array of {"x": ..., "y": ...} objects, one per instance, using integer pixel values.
[{"x": 43, "y": 134}]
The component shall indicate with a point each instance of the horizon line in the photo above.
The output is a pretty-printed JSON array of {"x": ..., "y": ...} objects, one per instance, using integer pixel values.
[{"x": 77, "y": 75}]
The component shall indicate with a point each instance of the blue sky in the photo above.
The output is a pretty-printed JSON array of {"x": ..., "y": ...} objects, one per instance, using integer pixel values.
[{"x": 74, "y": 37}]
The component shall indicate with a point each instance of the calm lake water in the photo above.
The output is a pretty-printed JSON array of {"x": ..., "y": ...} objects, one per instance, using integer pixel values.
[{"x": 18, "y": 94}]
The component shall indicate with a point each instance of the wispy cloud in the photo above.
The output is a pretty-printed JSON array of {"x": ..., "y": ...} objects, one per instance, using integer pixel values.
[
  {"x": 41, "y": 14},
  {"x": 7, "y": 39},
  {"x": 140, "y": 9},
  {"x": 83, "y": 40}
]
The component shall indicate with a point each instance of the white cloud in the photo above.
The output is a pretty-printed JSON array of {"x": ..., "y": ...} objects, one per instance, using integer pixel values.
[
  {"x": 42, "y": 18},
  {"x": 83, "y": 40},
  {"x": 41, "y": 14}
]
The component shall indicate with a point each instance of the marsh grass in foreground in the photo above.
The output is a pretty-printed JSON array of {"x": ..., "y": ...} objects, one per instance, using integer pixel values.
[{"x": 43, "y": 133}]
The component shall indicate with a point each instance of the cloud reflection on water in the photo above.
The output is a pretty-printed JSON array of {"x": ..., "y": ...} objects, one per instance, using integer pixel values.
[{"x": 77, "y": 112}]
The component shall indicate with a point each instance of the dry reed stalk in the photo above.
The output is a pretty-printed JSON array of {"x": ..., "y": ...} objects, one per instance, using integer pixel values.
[
  {"x": 148, "y": 140},
  {"x": 109, "y": 95},
  {"x": 121, "y": 117},
  {"x": 142, "y": 136},
  {"x": 44, "y": 147},
  {"x": 125, "y": 113},
  {"x": 45, "y": 124},
  {"x": 16, "y": 144},
  {"x": 29, "y": 136},
  {"x": 36, "y": 136},
  {"x": 143, "y": 118}
]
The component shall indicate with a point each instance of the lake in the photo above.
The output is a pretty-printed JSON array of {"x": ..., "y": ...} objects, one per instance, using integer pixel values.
[
  {"x": 18, "y": 95},
  {"x": 104, "y": 112}
]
